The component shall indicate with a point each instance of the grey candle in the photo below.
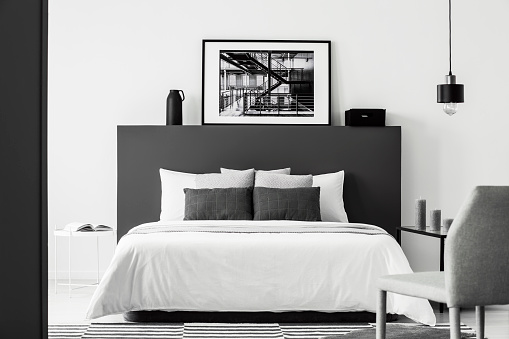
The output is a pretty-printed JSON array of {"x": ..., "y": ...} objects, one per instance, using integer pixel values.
[
  {"x": 435, "y": 218},
  {"x": 420, "y": 214},
  {"x": 447, "y": 224}
]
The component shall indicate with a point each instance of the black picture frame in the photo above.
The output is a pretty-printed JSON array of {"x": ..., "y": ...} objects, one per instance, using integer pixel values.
[{"x": 266, "y": 82}]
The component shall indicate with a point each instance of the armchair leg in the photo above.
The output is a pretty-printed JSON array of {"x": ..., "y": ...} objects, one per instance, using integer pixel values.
[
  {"x": 381, "y": 310},
  {"x": 454, "y": 320},
  {"x": 479, "y": 319}
]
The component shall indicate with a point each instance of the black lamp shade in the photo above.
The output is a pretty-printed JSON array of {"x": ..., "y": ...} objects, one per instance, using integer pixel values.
[{"x": 450, "y": 93}]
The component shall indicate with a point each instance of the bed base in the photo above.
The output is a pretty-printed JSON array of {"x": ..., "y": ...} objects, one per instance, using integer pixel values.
[{"x": 252, "y": 317}]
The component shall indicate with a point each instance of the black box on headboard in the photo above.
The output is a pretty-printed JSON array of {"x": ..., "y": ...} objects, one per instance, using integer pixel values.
[{"x": 365, "y": 117}]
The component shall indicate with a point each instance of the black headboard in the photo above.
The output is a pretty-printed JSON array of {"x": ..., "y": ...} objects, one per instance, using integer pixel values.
[{"x": 370, "y": 156}]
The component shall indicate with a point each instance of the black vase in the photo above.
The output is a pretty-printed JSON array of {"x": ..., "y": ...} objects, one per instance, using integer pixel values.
[{"x": 174, "y": 107}]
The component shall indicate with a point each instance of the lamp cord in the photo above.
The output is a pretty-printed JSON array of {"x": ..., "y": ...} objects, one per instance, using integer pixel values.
[{"x": 450, "y": 45}]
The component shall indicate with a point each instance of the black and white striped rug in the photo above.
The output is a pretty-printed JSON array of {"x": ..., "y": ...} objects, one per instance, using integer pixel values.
[
  {"x": 66, "y": 331},
  {"x": 206, "y": 330}
]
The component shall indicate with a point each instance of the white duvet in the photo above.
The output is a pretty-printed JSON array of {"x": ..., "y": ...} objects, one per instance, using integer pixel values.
[{"x": 253, "y": 266}]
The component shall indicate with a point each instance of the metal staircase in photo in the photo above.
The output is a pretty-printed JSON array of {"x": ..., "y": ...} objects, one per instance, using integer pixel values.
[{"x": 261, "y": 99}]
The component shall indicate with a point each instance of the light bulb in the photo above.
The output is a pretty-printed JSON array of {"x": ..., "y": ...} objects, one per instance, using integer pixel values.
[{"x": 450, "y": 107}]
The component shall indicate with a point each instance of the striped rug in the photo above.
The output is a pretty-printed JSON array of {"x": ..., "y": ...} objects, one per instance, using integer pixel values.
[
  {"x": 66, "y": 331},
  {"x": 207, "y": 330}
]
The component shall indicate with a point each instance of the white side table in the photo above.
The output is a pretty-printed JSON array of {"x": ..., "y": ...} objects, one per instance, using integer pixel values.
[{"x": 72, "y": 235}]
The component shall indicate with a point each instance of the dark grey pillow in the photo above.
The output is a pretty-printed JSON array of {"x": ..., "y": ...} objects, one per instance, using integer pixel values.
[
  {"x": 219, "y": 203},
  {"x": 301, "y": 203}
]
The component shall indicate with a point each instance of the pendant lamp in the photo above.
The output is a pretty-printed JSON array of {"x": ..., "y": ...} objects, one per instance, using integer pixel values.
[{"x": 450, "y": 93}]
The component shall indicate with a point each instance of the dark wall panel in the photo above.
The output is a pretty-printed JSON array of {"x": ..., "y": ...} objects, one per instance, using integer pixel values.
[
  {"x": 22, "y": 148},
  {"x": 370, "y": 156}
]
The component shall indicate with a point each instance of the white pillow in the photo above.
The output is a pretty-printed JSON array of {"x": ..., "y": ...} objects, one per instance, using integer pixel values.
[
  {"x": 172, "y": 193},
  {"x": 332, "y": 207},
  {"x": 280, "y": 171},
  {"x": 276, "y": 180}
]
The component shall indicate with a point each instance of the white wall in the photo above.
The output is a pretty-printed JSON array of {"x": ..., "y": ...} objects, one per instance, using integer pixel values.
[{"x": 112, "y": 62}]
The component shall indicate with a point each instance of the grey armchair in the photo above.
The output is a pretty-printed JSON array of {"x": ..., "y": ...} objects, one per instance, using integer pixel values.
[{"x": 476, "y": 271}]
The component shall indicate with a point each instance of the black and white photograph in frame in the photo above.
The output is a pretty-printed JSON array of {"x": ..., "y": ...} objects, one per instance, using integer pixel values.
[{"x": 282, "y": 82}]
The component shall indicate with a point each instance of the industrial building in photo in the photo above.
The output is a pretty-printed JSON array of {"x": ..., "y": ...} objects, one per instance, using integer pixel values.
[{"x": 266, "y": 83}]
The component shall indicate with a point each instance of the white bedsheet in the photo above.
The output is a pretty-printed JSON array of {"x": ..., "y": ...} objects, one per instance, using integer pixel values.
[{"x": 315, "y": 266}]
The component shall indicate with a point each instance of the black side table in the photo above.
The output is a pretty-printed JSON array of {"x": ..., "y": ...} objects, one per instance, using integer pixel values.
[{"x": 442, "y": 234}]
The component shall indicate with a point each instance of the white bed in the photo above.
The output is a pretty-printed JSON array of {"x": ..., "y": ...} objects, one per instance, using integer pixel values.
[{"x": 253, "y": 266}]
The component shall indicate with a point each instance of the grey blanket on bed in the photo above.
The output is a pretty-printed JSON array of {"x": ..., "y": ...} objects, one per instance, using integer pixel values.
[{"x": 307, "y": 227}]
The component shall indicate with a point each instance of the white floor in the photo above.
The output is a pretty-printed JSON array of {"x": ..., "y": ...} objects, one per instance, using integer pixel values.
[{"x": 63, "y": 309}]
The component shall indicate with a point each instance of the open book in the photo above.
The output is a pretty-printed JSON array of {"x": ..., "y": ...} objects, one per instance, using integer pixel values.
[{"x": 82, "y": 227}]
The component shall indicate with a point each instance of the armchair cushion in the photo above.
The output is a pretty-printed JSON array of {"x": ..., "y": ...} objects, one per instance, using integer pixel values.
[{"x": 427, "y": 285}]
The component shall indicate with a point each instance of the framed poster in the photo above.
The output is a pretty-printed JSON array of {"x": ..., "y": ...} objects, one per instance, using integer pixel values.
[{"x": 282, "y": 82}]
